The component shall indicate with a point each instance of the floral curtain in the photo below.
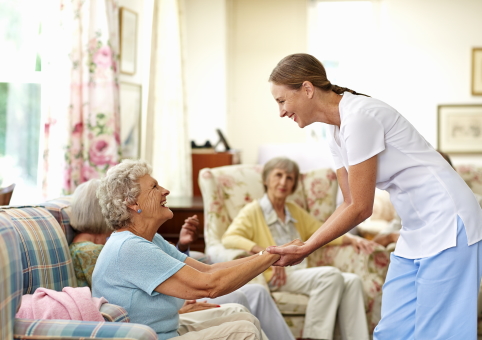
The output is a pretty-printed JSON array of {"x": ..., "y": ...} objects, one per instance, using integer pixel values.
[{"x": 82, "y": 119}]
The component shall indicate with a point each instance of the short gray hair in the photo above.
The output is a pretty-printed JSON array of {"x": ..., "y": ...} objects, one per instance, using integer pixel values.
[
  {"x": 119, "y": 189},
  {"x": 85, "y": 213},
  {"x": 283, "y": 163}
]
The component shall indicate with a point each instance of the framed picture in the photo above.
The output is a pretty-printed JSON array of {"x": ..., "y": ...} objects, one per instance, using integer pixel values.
[
  {"x": 128, "y": 40},
  {"x": 460, "y": 128},
  {"x": 130, "y": 112},
  {"x": 222, "y": 140}
]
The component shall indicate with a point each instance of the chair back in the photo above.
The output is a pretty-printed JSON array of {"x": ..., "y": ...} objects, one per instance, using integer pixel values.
[
  {"x": 11, "y": 284},
  {"x": 226, "y": 190},
  {"x": 6, "y": 194},
  {"x": 472, "y": 175},
  {"x": 46, "y": 260}
]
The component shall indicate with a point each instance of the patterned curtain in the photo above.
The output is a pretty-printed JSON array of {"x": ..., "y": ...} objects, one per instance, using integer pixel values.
[{"x": 82, "y": 120}]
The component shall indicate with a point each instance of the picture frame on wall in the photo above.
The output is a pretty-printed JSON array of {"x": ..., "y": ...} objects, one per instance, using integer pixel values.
[
  {"x": 131, "y": 119},
  {"x": 477, "y": 71},
  {"x": 128, "y": 40},
  {"x": 460, "y": 128}
]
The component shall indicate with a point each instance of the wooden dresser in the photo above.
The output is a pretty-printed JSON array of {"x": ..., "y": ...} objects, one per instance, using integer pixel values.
[{"x": 183, "y": 207}]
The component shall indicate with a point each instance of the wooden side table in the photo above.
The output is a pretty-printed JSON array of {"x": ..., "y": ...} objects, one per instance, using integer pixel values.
[
  {"x": 184, "y": 207},
  {"x": 211, "y": 160}
]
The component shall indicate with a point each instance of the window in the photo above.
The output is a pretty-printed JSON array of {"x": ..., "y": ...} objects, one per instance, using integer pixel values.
[{"x": 20, "y": 93}]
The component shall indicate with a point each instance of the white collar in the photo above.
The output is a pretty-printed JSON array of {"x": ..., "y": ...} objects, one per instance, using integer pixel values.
[{"x": 270, "y": 215}]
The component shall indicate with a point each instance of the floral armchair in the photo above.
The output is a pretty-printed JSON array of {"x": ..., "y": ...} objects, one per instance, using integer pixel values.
[{"x": 227, "y": 189}]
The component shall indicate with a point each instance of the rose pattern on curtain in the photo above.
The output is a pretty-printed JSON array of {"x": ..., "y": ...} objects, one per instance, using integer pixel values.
[{"x": 91, "y": 118}]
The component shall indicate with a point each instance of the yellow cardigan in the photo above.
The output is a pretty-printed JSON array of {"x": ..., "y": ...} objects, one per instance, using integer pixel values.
[{"x": 249, "y": 228}]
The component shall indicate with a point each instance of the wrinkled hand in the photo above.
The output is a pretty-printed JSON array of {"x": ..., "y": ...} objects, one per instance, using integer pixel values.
[
  {"x": 194, "y": 306},
  {"x": 360, "y": 244},
  {"x": 188, "y": 233},
  {"x": 279, "y": 276},
  {"x": 291, "y": 253}
]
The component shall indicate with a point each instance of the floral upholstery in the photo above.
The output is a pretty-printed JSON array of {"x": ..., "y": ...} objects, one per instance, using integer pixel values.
[
  {"x": 33, "y": 242},
  {"x": 472, "y": 175},
  {"x": 227, "y": 189}
]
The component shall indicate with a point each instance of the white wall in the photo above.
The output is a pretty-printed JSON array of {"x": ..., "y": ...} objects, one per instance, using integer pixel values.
[
  {"x": 421, "y": 58},
  {"x": 205, "y": 68},
  {"x": 260, "y": 34}
]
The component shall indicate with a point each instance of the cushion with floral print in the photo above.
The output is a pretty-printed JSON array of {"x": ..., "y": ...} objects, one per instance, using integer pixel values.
[
  {"x": 472, "y": 175},
  {"x": 320, "y": 188}
]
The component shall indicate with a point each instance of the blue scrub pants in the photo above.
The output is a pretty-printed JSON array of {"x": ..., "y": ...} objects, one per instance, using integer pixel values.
[{"x": 433, "y": 297}]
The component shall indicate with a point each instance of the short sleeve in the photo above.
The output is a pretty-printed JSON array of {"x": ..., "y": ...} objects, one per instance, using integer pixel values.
[
  {"x": 169, "y": 248},
  {"x": 145, "y": 265},
  {"x": 364, "y": 137},
  {"x": 334, "y": 149}
]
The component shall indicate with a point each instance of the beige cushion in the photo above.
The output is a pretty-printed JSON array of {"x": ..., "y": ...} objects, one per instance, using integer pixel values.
[{"x": 290, "y": 304}]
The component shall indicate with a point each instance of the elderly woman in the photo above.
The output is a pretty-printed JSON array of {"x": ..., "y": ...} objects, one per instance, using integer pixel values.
[
  {"x": 274, "y": 220},
  {"x": 87, "y": 219},
  {"x": 92, "y": 231},
  {"x": 140, "y": 271}
]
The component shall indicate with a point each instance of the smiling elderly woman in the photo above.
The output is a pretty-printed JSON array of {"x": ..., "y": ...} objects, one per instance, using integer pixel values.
[
  {"x": 274, "y": 220},
  {"x": 140, "y": 271}
]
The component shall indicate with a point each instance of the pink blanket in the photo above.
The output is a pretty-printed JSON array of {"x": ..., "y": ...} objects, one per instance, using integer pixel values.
[{"x": 69, "y": 304}]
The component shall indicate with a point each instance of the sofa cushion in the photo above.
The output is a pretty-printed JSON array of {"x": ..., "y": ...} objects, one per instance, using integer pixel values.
[
  {"x": 10, "y": 277},
  {"x": 72, "y": 329},
  {"x": 45, "y": 253},
  {"x": 290, "y": 303}
]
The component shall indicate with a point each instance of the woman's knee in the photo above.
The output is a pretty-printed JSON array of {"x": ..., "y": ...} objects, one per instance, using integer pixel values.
[
  {"x": 352, "y": 280},
  {"x": 330, "y": 274}
]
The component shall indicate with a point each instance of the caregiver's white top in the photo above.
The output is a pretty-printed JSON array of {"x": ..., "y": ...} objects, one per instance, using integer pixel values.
[{"x": 424, "y": 189}]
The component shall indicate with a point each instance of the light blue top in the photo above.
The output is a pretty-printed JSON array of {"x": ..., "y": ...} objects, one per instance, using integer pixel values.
[{"x": 128, "y": 270}]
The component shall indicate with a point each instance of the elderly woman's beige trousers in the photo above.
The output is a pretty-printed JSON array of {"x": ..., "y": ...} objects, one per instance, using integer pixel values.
[{"x": 231, "y": 321}]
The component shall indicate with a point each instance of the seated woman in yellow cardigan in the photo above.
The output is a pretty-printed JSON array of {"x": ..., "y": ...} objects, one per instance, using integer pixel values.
[{"x": 272, "y": 220}]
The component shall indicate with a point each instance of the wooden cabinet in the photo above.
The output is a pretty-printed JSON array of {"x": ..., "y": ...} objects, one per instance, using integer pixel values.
[
  {"x": 183, "y": 207},
  {"x": 210, "y": 160}
]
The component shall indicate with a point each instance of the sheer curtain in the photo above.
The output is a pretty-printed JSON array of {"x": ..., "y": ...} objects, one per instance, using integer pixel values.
[
  {"x": 81, "y": 98},
  {"x": 167, "y": 142}
]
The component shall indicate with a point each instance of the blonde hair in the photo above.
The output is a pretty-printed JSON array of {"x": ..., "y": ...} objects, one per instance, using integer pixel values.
[
  {"x": 119, "y": 189},
  {"x": 85, "y": 212},
  {"x": 294, "y": 69},
  {"x": 282, "y": 163}
]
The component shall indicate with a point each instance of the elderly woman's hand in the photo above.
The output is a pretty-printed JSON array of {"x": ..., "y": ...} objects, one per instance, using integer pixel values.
[
  {"x": 194, "y": 306},
  {"x": 359, "y": 243},
  {"x": 291, "y": 253},
  {"x": 279, "y": 276},
  {"x": 188, "y": 233}
]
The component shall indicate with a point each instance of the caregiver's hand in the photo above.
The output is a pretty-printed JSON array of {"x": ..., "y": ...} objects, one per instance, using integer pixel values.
[
  {"x": 291, "y": 253},
  {"x": 360, "y": 244}
]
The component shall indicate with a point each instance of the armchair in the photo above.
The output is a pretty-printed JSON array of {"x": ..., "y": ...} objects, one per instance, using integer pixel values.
[
  {"x": 227, "y": 189},
  {"x": 34, "y": 253}
]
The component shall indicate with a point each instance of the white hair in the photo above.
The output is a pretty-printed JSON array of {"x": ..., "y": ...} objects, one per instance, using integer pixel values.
[
  {"x": 85, "y": 212},
  {"x": 119, "y": 189}
]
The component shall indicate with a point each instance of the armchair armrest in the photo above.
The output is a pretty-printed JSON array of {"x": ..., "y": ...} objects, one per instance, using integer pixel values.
[
  {"x": 77, "y": 330},
  {"x": 371, "y": 268},
  {"x": 217, "y": 253},
  {"x": 114, "y": 313}
]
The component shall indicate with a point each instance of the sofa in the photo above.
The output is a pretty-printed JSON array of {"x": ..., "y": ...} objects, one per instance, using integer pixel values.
[
  {"x": 227, "y": 189},
  {"x": 34, "y": 251}
]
